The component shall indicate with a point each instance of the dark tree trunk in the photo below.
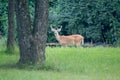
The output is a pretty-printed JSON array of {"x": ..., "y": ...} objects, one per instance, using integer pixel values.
[
  {"x": 10, "y": 40},
  {"x": 32, "y": 45},
  {"x": 40, "y": 30},
  {"x": 24, "y": 31}
]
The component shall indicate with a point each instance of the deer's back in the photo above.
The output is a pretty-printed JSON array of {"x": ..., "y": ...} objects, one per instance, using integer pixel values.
[
  {"x": 78, "y": 38},
  {"x": 66, "y": 40}
]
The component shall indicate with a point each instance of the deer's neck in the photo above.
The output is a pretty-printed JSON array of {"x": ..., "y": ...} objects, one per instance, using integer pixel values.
[{"x": 57, "y": 36}]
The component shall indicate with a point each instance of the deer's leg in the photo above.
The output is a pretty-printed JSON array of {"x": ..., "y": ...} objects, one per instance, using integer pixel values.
[
  {"x": 78, "y": 45},
  {"x": 64, "y": 45}
]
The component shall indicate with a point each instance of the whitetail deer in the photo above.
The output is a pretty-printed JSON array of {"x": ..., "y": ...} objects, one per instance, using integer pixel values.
[{"x": 75, "y": 39}]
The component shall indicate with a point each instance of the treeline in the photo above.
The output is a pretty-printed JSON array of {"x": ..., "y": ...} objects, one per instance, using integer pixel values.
[{"x": 96, "y": 20}]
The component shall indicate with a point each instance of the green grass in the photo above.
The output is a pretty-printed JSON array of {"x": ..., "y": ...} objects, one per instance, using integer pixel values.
[{"x": 98, "y": 63}]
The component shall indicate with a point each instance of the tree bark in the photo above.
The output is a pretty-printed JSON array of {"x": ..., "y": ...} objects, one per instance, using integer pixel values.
[
  {"x": 24, "y": 31},
  {"x": 40, "y": 31},
  {"x": 32, "y": 43},
  {"x": 11, "y": 26}
]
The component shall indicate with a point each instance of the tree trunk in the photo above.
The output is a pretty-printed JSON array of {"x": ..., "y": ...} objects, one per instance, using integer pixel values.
[
  {"x": 40, "y": 31},
  {"x": 32, "y": 45},
  {"x": 11, "y": 26},
  {"x": 24, "y": 31}
]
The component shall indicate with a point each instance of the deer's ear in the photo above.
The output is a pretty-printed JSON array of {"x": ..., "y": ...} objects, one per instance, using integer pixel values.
[
  {"x": 52, "y": 29},
  {"x": 59, "y": 29}
]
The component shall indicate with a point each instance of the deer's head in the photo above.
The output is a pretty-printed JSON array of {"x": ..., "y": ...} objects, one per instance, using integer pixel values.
[{"x": 55, "y": 30}]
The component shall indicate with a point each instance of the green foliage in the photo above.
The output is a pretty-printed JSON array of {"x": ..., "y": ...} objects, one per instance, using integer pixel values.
[
  {"x": 96, "y": 20},
  {"x": 3, "y": 17},
  {"x": 32, "y": 10},
  {"x": 66, "y": 64}
]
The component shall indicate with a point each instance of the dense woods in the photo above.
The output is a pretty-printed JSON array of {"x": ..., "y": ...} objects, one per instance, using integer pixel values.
[{"x": 97, "y": 20}]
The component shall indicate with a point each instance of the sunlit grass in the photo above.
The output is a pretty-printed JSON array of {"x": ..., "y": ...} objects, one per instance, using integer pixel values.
[
  {"x": 99, "y": 63},
  {"x": 85, "y": 60}
]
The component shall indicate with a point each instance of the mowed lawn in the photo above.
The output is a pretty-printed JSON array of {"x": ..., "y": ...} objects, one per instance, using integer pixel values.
[{"x": 99, "y": 63}]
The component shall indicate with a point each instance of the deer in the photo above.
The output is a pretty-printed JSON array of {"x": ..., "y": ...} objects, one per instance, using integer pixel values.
[{"x": 75, "y": 39}]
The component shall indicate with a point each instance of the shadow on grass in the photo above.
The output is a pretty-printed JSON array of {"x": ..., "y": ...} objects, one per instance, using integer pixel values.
[
  {"x": 8, "y": 66},
  {"x": 13, "y": 65},
  {"x": 2, "y": 51},
  {"x": 44, "y": 67}
]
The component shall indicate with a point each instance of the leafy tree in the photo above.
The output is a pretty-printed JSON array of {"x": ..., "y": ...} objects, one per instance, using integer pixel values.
[
  {"x": 3, "y": 17},
  {"x": 96, "y": 20}
]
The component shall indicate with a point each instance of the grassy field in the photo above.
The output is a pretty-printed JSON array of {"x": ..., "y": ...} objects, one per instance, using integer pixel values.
[{"x": 98, "y": 63}]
